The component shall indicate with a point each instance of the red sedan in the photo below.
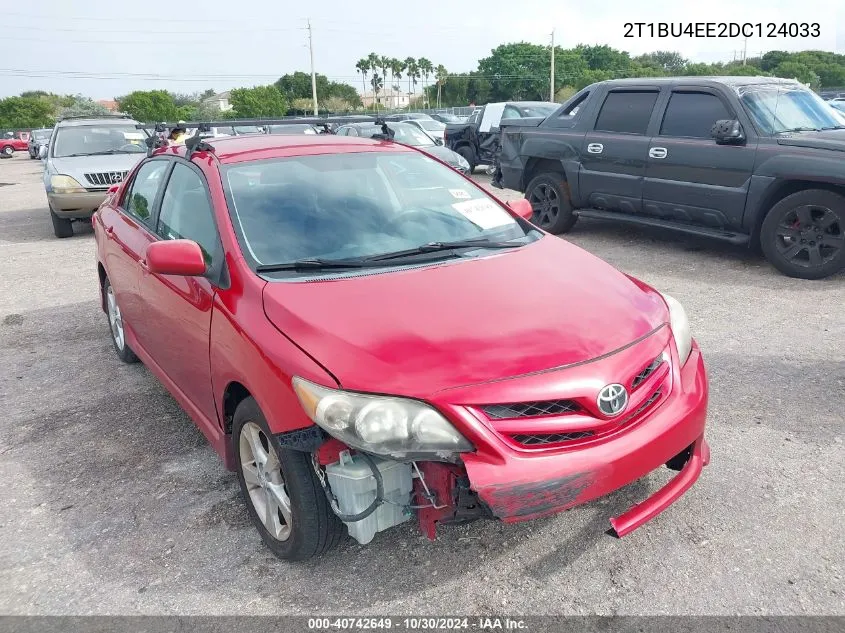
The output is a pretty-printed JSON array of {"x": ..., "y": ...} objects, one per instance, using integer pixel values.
[{"x": 366, "y": 336}]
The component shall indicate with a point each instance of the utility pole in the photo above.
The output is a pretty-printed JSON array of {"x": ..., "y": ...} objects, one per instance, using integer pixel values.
[
  {"x": 744, "y": 51},
  {"x": 552, "y": 75},
  {"x": 313, "y": 76}
]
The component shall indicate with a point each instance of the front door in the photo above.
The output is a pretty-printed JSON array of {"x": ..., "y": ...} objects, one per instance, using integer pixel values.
[
  {"x": 689, "y": 178},
  {"x": 179, "y": 308},
  {"x": 614, "y": 152}
]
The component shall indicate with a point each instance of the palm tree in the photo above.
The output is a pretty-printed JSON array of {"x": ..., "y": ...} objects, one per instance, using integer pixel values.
[
  {"x": 397, "y": 67},
  {"x": 384, "y": 64},
  {"x": 363, "y": 67},
  {"x": 441, "y": 74},
  {"x": 413, "y": 73},
  {"x": 377, "y": 83},
  {"x": 426, "y": 68}
]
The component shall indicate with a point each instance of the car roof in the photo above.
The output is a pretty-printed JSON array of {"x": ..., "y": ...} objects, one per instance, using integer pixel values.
[
  {"x": 252, "y": 147},
  {"x": 738, "y": 80}
]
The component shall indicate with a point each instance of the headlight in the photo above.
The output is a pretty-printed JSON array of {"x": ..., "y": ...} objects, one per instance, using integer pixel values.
[
  {"x": 462, "y": 162},
  {"x": 65, "y": 184},
  {"x": 680, "y": 328},
  {"x": 384, "y": 425}
]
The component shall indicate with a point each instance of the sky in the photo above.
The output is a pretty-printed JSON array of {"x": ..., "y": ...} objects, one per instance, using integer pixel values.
[{"x": 103, "y": 48}]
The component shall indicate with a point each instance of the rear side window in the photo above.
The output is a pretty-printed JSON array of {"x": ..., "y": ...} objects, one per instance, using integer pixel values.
[
  {"x": 142, "y": 194},
  {"x": 572, "y": 109},
  {"x": 692, "y": 114},
  {"x": 626, "y": 112}
]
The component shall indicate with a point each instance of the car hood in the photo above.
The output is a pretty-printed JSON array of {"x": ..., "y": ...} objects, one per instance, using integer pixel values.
[
  {"x": 443, "y": 153},
  {"x": 825, "y": 139},
  {"x": 77, "y": 165},
  {"x": 415, "y": 332}
]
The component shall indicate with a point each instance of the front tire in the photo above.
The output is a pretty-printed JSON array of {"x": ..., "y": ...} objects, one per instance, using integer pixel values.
[
  {"x": 8, "y": 150},
  {"x": 803, "y": 235},
  {"x": 118, "y": 331},
  {"x": 284, "y": 498},
  {"x": 548, "y": 194},
  {"x": 469, "y": 156},
  {"x": 62, "y": 227}
]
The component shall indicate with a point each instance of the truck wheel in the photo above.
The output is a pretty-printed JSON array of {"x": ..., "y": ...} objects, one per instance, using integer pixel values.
[
  {"x": 469, "y": 156},
  {"x": 8, "y": 150},
  {"x": 548, "y": 194},
  {"x": 284, "y": 498},
  {"x": 62, "y": 227},
  {"x": 803, "y": 235}
]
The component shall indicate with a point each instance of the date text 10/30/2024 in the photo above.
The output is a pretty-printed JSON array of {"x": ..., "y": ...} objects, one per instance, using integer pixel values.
[{"x": 722, "y": 29}]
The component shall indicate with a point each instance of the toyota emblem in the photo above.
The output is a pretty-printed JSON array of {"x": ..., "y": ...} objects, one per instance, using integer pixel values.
[{"x": 612, "y": 399}]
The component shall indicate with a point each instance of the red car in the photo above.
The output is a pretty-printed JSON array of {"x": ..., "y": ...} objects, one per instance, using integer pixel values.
[
  {"x": 365, "y": 335},
  {"x": 12, "y": 142}
]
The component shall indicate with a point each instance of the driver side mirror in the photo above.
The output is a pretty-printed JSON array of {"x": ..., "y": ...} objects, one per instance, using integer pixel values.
[
  {"x": 522, "y": 208},
  {"x": 42, "y": 152},
  {"x": 728, "y": 132},
  {"x": 175, "y": 257}
]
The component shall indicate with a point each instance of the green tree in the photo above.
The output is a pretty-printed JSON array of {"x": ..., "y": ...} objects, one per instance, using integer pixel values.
[
  {"x": 150, "y": 106},
  {"x": 412, "y": 72},
  {"x": 82, "y": 106},
  {"x": 772, "y": 59},
  {"x": 670, "y": 62},
  {"x": 426, "y": 69},
  {"x": 605, "y": 58},
  {"x": 517, "y": 71},
  {"x": 258, "y": 102},
  {"x": 25, "y": 112},
  {"x": 363, "y": 66},
  {"x": 831, "y": 75},
  {"x": 343, "y": 91},
  {"x": 795, "y": 70}
]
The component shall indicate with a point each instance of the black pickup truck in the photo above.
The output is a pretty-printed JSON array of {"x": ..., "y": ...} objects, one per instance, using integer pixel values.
[
  {"x": 476, "y": 139},
  {"x": 749, "y": 160}
]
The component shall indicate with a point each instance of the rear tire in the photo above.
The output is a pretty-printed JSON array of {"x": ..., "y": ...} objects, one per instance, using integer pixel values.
[
  {"x": 283, "y": 492},
  {"x": 548, "y": 194},
  {"x": 62, "y": 227},
  {"x": 803, "y": 235},
  {"x": 469, "y": 156}
]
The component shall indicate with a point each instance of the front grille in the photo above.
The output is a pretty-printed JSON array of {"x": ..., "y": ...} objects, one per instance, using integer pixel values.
[
  {"x": 645, "y": 373},
  {"x": 529, "y": 409},
  {"x": 106, "y": 178},
  {"x": 539, "y": 439},
  {"x": 645, "y": 405}
]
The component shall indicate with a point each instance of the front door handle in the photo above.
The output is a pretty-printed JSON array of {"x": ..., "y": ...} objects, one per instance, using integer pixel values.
[
  {"x": 595, "y": 148},
  {"x": 658, "y": 152}
]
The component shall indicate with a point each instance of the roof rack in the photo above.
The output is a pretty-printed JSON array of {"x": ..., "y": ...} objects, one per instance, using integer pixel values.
[
  {"x": 196, "y": 143},
  {"x": 110, "y": 115}
]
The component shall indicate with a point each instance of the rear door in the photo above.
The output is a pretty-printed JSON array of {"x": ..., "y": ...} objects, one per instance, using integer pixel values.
[
  {"x": 615, "y": 150},
  {"x": 689, "y": 178},
  {"x": 178, "y": 309},
  {"x": 129, "y": 229}
]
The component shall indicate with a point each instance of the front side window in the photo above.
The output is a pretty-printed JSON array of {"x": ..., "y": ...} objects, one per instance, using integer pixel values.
[
  {"x": 626, "y": 112},
  {"x": 141, "y": 197},
  {"x": 692, "y": 114},
  {"x": 358, "y": 205},
  {"x": 776, "y": 109},
  {"x": 97, "y": 140},
  {"x": 186, "y": 212}
]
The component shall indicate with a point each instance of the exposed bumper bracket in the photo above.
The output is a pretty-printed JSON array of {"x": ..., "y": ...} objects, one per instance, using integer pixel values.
[{"x": 667, "y": 495}]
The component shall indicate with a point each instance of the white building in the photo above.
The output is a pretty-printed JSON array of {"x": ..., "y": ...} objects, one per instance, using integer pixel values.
[
  {"x": 220, "y": 100},
  {"x": 388, "y": 99}
]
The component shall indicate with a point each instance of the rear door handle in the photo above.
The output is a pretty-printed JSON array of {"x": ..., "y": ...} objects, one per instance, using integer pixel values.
[
  {"x": 658, "y": 152},
  {"x": 595, "y": 148}
]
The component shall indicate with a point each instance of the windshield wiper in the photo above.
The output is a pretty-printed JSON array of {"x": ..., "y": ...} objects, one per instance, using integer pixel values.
[
  {"x": 434, "y": 247},
  {"x": 834, "y": 127},
  {"x": 312, "y": 264},
  {"x": 799, "y": 129}
]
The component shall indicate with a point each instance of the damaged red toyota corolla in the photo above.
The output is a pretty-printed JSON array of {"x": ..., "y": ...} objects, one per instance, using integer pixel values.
[{"x": 366, "y": 336}]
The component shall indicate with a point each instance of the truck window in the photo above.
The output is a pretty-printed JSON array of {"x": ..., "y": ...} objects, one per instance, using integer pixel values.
[
  {"x": 692, "y": 114},
  {"x": 626, "y": 112},
  {"x": 572, "y": 109}
]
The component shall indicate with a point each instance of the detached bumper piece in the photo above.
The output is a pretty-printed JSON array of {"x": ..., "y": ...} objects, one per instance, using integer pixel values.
[{"x": 667, "y": 495}]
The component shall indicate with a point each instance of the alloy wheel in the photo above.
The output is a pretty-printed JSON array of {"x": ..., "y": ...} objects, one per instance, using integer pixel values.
[
  {"x": 546, "y": 204},
  {"x": 809, "y": 236},
  {"x": 264, "y": 481},
  {"x": 115, "y": 319}
]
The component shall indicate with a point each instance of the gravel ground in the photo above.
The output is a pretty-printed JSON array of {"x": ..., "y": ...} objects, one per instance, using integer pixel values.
[{"x": 114, "y": 503}]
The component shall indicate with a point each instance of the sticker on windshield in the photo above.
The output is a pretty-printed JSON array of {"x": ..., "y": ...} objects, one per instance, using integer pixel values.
[
  {"x": 484, "y": 213},
  {"x": 460, "y": 194},
  {"x": 139, "y": 136}
]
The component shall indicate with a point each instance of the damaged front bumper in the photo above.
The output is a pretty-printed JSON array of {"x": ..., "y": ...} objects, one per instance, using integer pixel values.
[{"x": 519, "y": 485}]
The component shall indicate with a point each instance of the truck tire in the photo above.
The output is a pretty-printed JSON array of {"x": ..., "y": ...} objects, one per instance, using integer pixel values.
[
  {"x": 281, "y": 490},
  {"x": 803, "y": 235},
  {"x": 469, "y": 155},
  {"x": 548, "y": 194},
  {"x": 62, "y": 227},
  {"x": 8, "y": 150}
]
